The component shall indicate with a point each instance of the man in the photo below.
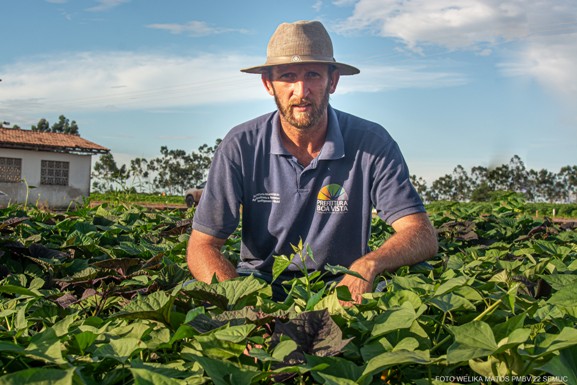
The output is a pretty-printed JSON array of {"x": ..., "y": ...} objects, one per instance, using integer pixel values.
[{"x": 309, "y": 173}]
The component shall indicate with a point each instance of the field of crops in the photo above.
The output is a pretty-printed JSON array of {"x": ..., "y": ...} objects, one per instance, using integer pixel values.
[{"x": 96, "y": 296}]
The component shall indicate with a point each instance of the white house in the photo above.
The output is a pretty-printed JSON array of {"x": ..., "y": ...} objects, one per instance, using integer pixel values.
[{"x": 44, "y": 168}]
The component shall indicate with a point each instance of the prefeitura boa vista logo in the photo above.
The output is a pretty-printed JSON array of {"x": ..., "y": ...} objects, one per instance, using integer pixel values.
[{"x": 332, "y": 198}]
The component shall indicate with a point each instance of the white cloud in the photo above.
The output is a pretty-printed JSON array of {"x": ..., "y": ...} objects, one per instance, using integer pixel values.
[
  {"x": 538, "y": 37},
  {"x": 194, "y": 28},
  {"x": 550, "y": 61},
  {"x": 344, "y": 3},
  {"x": 449, "y": 23},
  {"x": 379, "y": 78},
  {"x": 120, "y": 80},
  {"x": 105, "y": 5},
  {"x": 104, "y": 81}
]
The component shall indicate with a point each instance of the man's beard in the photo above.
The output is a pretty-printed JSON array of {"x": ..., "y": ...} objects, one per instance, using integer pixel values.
[{"x": 304, "y": 120}]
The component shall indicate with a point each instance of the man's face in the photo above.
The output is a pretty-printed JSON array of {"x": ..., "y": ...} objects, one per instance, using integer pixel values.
[{"x": 301, "y": 92}]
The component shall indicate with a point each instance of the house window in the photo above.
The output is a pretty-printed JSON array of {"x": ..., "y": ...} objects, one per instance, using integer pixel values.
[
  {"x": 10, "y": 170},
  {"x": 54, "y": 172}
]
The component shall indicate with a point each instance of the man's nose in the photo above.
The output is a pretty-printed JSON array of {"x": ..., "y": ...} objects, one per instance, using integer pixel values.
[{"x": 301, "y": 88}]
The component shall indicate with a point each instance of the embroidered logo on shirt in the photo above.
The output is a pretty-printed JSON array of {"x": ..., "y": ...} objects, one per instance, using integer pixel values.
[
  {"x": 332, "y": 198},
  {"x": 266, "y": 198}
]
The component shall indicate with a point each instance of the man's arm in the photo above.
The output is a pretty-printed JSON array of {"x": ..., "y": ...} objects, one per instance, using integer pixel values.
[
  {"x": 414, "y": 241},
  {"x": 204, "y": 258}
]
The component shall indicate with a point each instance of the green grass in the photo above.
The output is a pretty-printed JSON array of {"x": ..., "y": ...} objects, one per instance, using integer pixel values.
[{"x": 114, "y": 197}]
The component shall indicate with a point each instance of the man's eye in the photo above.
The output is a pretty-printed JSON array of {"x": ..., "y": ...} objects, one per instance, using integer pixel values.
[{"x": 313, "y": 75}]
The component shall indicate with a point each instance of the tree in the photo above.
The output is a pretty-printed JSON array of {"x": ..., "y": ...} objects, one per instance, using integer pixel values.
[
  {"x": 518, "y": 176},
  {"x": 108, "y": 175},
  {"x": 487, "y": 184},
  {"x": 172, "y": 170},
  {"x": 441, "y": 189},
  {"x": 63, "y": 126},
  {"x": 42, "y": 126},
  {"x": 420, "y": 185},
  {"x": 202, "y": 160},
  {"x": 175, "y": 171},
  {"x": 545, "y": 185},
  {"x": 568, "y": 177},
  {"x": 482, "y": 193},
  {"x": 139, "y": 172},
  {"x": 461, "y": 184}
]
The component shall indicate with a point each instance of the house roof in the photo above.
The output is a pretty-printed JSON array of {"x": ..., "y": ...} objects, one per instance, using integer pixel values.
[{"x": 47, "y": 141}]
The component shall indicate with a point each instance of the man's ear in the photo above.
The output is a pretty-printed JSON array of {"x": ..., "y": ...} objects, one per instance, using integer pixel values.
[
  {"x": 334, "y": 80},
  {"x": 267, "y": 84}
]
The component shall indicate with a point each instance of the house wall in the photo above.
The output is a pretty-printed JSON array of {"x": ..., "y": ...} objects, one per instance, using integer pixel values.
[{"x": 48, "y": 195}]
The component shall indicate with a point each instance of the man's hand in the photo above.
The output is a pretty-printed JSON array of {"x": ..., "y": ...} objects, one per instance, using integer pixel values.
[
  {"x": 357, "y": 287},
  {"x": 414, "y": 241}
]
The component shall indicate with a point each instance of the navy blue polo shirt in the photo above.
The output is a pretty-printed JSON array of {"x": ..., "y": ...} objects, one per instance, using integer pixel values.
[{"x": 328, "y": 204}]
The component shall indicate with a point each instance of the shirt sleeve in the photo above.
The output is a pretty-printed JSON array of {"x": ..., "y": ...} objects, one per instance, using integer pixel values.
[
  {"x": 393, "y": 194},
  {"x": 218, "y": 211}
]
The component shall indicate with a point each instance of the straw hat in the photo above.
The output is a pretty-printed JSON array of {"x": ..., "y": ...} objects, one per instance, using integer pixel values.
[{"x": 300, "y": 42}]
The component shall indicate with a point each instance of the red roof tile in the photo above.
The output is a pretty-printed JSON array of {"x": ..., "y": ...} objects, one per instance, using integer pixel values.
[{"x": 47, "y": 141}]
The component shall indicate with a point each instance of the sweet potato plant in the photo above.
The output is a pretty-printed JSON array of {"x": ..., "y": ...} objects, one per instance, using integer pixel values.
[{"x": 102, "y": 296}]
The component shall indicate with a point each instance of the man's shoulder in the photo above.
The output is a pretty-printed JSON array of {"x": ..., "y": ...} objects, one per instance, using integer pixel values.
[
  {"x": 253, "y": 125},
  {"x": 353, "y": 126},
  {"x": 247, "y": 135}
]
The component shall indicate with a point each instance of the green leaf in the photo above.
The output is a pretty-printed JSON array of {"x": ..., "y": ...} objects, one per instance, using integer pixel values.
[
  {"x": 450, "y": 302},
  {"x": 226, "y": 342},
  {"x": 148, "y": 377},
  {"x": 156, "y": 306},
  {"x": 334, "y": 380},
  {"x": 559, "y": 281},
  {"x": 472, "y": 340},
  {"x": 401, "y": 297},
  {"x": 551, "y": 343},
  {"x": 83, "y": 340},
  {"x": 281, "y": 263},
  {"x": 7, "y": 346},
  {"x": 336, "y": 368},
  {"x": 12, "y": 289},
  {"x": 393, "y": 320},
  {"x": 283, "y": 349},
  {"x": 563, "y": 366},
  {"x": 516, "y": 338},
  {"x": 503, "y": 329},
  {"x": 61, "y": 327},
  {"x": 389, "y": 359},
  {"x": 451, "y": 284},
  {"x": 229, "y": 293},
  {"x": 120, "y": 349},
  {"x": 565, "y": 297},
  {"x": 46, "y": 346},
  {"x": 39, "y": 376},
  {"x": 223, "y": 372},
  {"x": 336, "y": 269}
]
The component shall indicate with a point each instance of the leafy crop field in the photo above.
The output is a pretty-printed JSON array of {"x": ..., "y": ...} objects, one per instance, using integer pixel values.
[{"x": 98, "y": 296}]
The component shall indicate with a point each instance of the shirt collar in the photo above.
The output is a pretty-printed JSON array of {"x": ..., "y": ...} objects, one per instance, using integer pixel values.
[{"x": 333, "y": 148}]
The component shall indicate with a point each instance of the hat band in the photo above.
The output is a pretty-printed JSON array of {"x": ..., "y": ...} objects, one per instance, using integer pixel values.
[{"x": 297, "y": 59}]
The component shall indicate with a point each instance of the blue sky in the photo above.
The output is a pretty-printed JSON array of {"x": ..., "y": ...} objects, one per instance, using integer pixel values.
[{"x": 469, "y": 82}]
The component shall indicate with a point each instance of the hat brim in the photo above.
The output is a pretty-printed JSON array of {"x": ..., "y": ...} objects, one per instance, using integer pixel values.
[{"x": 344, "y": 69}]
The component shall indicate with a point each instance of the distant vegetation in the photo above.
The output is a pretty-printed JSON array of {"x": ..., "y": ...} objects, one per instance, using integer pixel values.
[
  {"x": 174, "y": 171},
  {"x": 483, "y": 184}
]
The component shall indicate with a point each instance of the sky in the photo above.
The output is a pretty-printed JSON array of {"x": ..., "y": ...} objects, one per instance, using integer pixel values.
[{"x": 464, "y": 82}]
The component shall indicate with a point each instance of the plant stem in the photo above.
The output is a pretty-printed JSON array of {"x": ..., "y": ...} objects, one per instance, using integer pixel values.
[{"x": 496, "y": 303}]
